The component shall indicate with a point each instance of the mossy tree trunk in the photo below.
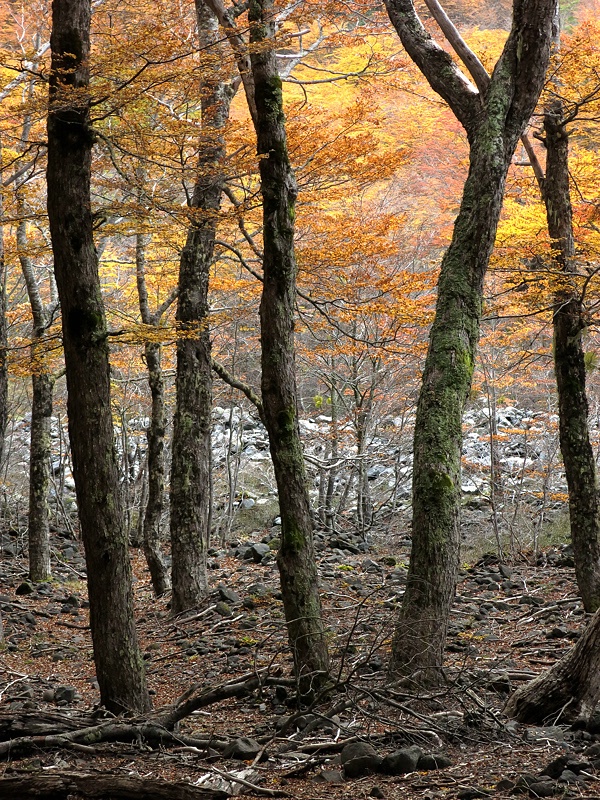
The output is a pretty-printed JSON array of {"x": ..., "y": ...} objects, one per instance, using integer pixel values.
[
  {"x": 296, "y": 561},
  {"x": 569, "y": 364},
  {"x": 494, "y": 120},
  {"x": 191, "y": 460},
  {"x": 119, "y": 666}
]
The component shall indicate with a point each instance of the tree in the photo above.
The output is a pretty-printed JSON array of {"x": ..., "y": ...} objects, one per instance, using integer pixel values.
[
  {"x": 494, "y": 118},
  {"x": 296, "y": 561},
  {"x": 119, "y": 666},
  {"x": 190, "y": 466}
]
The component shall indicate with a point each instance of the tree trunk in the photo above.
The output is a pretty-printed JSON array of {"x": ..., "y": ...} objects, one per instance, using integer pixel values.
[
  {"x": 119, "y": 666},
  {"x": 3, "y": 329},
  {"x": 61, "y": 786},
  {"x": 572, "y": 684},
  {"x": 38, "y": 529},
  {"x": 296, "y": 561},
  {"x": 153, "y": 512},
  {"x": 156, "y": 473},
  {"x": 39, "y": 477},
  {"x": 190, "y": 466},
  {"x": 494, "y": 121},
  {"x": 569, "y": 365}
]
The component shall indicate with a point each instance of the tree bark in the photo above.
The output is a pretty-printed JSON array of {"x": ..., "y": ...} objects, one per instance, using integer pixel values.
[
  {"x": 296, "y": 561},
  {"x": 570, "y": 323},
  {"x": 494, "y": 122},
  {"x": 572, "y": 684},
  {"x": 119, "y": 666},
  {"x": 190, "y": 466},
  {"x": 63, "y": 785},
  {"x": 3, "y": 329},
  {"x": 40, "y": 446},
  {"x": 153, "y": 513}
]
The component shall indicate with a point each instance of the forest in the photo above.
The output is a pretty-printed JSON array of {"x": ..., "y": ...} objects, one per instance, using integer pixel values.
[{"x": 299, "y": 417}]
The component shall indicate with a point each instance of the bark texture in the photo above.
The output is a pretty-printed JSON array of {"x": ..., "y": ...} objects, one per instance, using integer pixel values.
[
  {"x": 40, "y": 447},
  {"x": 153, "y": 513},
  {"x": 191, "y": 464},
  {"x": 296, "y": 562},
  {"x": 494, "y": 121},
  {"x": 119, "y": 666},
  {"x": 572, "y": 684},
  {"x": 117, "y": 787},
  {"x": 3, "y": 330},
  {"x": 570, "y": 323}
]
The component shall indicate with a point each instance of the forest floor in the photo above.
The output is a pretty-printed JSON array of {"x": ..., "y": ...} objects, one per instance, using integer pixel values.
[{"x": 510, "y": 621}]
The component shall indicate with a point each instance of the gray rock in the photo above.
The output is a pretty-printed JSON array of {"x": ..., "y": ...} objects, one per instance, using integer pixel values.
[
  {"x": 228, "y": 595},
  {"x": 65, "y": 694},
  {"x": 259, "y": 551},
  {"x": 242, "y": 749},
  {"x": 359, "y": 758},
  {"x": 543, "y": 789},
  {"x": 433, "y": 761},
  {"x": 223, "y": 609},
  {"x": 329, "y": 776},
  {"x": 402, "y": 761}
]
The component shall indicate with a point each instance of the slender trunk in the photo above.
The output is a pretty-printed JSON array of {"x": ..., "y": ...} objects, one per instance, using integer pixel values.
[
  {"x": 296, "y": 561},
  {"x": 190, "y": 465},
  {"x": 38, "y": 529},
  {"x": 151, "y": 537},
  {"x": 119, "y": 666},
  {"x": 569, "y": 365},
  {"x": 39, "y": 477},
  {"x": 3, "y": 328},
  {"x": 155, "y": 500}
]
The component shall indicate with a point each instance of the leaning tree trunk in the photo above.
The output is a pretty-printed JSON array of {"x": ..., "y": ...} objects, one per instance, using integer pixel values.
[
  {"x": 572, "y": 685},
  {"x": 119, "y": 666},
  {"x": 191, "y": 460},
  {"x": 494, "y": 119},
  {"x": 569, "y": 365},
  {"x": 296, "y": 560}
]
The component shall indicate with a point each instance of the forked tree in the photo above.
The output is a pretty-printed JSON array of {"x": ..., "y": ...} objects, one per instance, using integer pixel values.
[
  {"x": 119, "y": 665},
  {"x": 494, "y": 117}
]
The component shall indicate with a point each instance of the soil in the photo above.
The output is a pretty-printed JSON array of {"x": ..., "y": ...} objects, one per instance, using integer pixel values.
[{"x": 509, "y": 622}]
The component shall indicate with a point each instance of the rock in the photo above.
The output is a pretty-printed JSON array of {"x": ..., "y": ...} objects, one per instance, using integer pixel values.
[
  {"x": 470, "y": 792},
  {"x": 228, "y": 595},
  {"x": 329, "y": 776},
  {"x": 433, "y": 761},
  {"x": 223, "y": 609},
  {"x": 543, "y": 789},
  {"x": 24, "y": 588},
  {"x": 376, "y": 792},
  {"x": 568, "y": 776},
  {"x": 242, "y": 749},
  {"x": 402, "y": 761},
  {"x": 505, "y": 786},
  {"x": 64, "y": 694},
  {"x": 359, "y": 758}
]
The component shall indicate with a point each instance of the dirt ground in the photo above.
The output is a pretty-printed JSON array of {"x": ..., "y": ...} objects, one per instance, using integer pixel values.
[{"x": 509, "y": 622}]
